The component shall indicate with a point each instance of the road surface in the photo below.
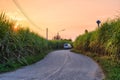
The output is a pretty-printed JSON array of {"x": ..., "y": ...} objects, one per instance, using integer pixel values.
[{"x": 58, "y": 65}]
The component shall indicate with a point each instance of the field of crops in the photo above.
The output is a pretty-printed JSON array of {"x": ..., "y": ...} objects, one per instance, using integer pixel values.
[
  {"x": 104, "y": 41},
  {"x": 19, "y": 47},
  {"x": 103, "y": 44}
]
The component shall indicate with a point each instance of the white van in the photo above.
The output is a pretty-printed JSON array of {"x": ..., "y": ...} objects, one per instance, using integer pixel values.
[{"x": 67, "y": 46}]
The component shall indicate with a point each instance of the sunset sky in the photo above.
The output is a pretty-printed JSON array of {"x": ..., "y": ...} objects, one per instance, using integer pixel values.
[{"x": 72, "y": 15}]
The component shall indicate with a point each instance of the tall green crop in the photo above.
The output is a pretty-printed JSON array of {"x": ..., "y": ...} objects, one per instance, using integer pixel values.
[
  {"x": 104, "y": 41},
  {"x": 16, "y": 45}
]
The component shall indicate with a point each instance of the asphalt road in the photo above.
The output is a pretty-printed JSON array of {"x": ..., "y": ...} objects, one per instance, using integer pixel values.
[{"x": 58, "y": 65}]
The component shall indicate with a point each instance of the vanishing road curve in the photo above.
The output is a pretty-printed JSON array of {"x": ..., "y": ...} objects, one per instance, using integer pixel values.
[{"x": 58, "y": 65}]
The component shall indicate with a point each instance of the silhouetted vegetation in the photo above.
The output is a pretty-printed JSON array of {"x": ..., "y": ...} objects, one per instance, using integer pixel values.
[{"x": 86, "y": 31}]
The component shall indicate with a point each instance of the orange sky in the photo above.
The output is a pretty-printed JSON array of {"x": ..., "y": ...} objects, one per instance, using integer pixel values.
[{"x": 72, "y": 15}]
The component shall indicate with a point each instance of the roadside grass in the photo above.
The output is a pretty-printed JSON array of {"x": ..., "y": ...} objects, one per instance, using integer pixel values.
[
  {"x": 103, "y": 45},
  {"x": 13, "y": 65},
  {"x": 110, "y": 67},
  {"x": 20, "y": 47}
]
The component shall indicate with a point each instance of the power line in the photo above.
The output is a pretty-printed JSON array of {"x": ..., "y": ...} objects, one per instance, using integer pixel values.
[
  {"x": 23, "y": 12},
  {"x": 27, "y": 17}
]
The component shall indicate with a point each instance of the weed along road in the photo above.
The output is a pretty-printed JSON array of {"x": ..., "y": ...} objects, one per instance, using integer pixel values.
[{"x": 58, "y": 65}]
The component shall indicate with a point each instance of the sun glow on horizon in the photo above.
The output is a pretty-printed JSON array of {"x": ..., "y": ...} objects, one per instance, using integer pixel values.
[
  {"x": 17, "y": 17},
  {"x": 16, "y": 25}
]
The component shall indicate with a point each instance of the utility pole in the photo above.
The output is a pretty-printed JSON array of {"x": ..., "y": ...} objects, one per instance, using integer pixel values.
[{"x": 47, "y": 33}]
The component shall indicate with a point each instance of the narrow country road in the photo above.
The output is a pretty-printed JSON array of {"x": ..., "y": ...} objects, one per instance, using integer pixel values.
[{"x": 58, "y": 65}]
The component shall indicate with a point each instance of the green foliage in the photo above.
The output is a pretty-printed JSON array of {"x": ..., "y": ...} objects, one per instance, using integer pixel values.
[
  {"x": 105, "y": 40},
  {"x": 104, "y": 46},
  {"x": 111, "y": 68},
  {"x": 58, "y": 44},
  {"x": 21, "y": 47}
]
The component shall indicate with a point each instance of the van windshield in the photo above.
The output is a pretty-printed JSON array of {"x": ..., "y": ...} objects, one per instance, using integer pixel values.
[{"x": 65, "y": 44}]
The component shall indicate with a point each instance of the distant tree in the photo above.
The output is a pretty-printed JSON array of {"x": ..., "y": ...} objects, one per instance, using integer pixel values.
[
  {"x": 57, "y": 37},
  {"x": 86, "y": 31},
  {"x": 67, "y": 39}
]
